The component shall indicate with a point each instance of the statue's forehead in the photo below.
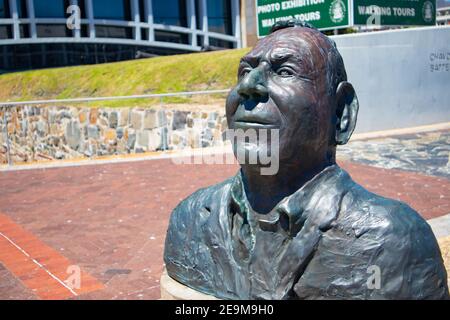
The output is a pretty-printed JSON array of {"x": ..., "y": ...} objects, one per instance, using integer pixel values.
[{"x": 303, "y": 45}]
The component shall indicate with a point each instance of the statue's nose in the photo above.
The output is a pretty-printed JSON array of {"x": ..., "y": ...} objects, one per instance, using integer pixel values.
[{"x": 253, "y": 86}]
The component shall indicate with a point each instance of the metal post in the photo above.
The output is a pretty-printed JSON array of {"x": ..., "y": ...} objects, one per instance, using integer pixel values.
[
  {"x": 31, "y": 16},
  {"x": 136, "y": 18},
  {"x": 149, "y": 18},
  {"x": 236, "y": 22},
  {"x": 15, "y": 17},
  {"x": 192, "y": 24},
  {"x": 8, "y": 146},
  {"x": 90, "y": 16},
  {"x": 204, "y": 16}
]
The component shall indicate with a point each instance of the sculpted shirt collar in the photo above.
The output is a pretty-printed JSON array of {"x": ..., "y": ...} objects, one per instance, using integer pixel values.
[{"x": 290, "y": 214}]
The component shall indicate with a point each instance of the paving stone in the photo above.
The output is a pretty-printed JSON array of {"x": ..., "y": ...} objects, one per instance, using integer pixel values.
[{"x": 115, "y": 216}]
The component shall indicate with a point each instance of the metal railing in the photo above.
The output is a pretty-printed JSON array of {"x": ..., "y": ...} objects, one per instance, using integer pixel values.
[
  {"x": 9, "y": 104},
  {"x": 137, "y": 96}
]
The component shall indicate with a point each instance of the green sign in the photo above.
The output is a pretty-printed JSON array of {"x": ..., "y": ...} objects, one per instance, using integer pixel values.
[
  {"x": 395, "y": 12},
  {"x": 334, "y": 14},
  {"x": 322, "y": 14}
]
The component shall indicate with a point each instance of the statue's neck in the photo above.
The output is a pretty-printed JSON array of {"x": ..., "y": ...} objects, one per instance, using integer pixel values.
[{"x": 264, "y": 192}]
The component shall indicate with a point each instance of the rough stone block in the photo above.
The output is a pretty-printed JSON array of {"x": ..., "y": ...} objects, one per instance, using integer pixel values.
[
  {"x": 137, "y": 119},
  {"x": 120, "y": 133},
  {"x": 73, "y": 134},
  {"x": 113, "y": 119},
  {"x": 150, "y": 140},
  {"x": 154, "y": 119},
  {"x": 179, "y": 120},
  {"x": 110, "y": 134},
  {"x": 123, "y": 117},
  {"x": 82, "y": 116},
  {"x": 193, "y": 137},
  {"x": 93, "y": 132},
  {"x": 93, "y": 116},
  {"x": 131, "y": 139}
]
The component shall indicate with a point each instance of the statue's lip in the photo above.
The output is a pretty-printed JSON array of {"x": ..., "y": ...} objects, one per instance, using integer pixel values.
[{"x": 254, "y": 124}]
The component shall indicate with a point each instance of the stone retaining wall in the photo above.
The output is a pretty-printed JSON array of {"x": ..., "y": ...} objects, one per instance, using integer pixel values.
[{"x": 38, "y": 133}]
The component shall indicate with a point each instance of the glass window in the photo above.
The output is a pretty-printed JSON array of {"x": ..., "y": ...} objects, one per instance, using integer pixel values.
[
  {"x": 113, "y": 32},
  {"x": 50, "y": 8},
  {"x": 5, "y": 32},
  {"x": 52, "y": 30},
  {"x": 219, "y": 43},
  {"x": 198, "y": 16},
  {"x": 170, "y": 12},
  {"x": 4, "y": 9},
  {"x": 22, "y": 9},
  {"x": 82, "y": 5},
  {"x": 174, "y": 37},
  {"x": 219, "y": 16},
  {"x": 112, "y": 9},
  {"x": 142, "y": 16},
  {"x": 24, "y": 30}
]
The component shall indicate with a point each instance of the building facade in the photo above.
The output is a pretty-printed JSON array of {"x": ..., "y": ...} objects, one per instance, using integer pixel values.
[
  {"x": 50, "y": 33},
  {"x": 443, "y": 16}
]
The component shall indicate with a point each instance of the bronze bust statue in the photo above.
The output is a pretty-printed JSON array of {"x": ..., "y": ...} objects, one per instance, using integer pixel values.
[{"x": 308, "y": 231}]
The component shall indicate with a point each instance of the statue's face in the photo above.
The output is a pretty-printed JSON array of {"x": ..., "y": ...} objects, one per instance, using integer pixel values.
[{"x": 282, "y": 84}]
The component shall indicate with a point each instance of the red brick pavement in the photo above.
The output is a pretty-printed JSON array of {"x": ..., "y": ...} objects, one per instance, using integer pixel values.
[{"x": 111, "y": 219}]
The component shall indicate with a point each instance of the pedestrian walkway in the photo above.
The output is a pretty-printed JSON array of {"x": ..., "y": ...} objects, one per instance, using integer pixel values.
[{"x": 109, "y": 219}]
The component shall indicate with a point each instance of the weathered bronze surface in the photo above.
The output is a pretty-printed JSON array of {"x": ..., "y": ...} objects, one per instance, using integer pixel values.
[{"x": 308, "y": 231}]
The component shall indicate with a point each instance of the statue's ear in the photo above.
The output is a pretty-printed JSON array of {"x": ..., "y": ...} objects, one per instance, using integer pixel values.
[{"x": 346, "y": 112}]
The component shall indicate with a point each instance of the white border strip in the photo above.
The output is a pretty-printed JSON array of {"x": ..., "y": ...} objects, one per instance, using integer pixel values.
[{"x": 39, "y": 265}]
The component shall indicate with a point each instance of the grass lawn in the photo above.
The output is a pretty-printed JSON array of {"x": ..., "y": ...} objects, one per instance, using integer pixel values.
[{"x": 186, "y": 72}]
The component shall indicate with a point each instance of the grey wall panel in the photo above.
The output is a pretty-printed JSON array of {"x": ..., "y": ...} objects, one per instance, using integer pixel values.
[{"x": 402, "y": 77}]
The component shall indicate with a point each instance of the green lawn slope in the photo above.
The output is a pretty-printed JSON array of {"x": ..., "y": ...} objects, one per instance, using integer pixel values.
[{"x": 186, "y": 72}]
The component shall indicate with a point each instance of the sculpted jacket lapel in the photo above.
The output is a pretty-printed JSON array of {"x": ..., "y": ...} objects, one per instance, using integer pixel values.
[{"x": 289, "y": 249}]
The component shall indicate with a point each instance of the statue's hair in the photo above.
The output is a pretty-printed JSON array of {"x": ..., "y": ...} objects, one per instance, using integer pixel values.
[
  {"x": 282, "y": 24},
  {"x": 336, "y": 69}
]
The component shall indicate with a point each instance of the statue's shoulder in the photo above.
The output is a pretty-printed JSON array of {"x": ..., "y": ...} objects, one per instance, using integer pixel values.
[
  {"x": 396, "y": 239},
  {"x": 382, "y": 216},
  {"x": 204, "y": 197},
  {"x": 193, "y": 211},
  {"x": 186, "y": 237}
]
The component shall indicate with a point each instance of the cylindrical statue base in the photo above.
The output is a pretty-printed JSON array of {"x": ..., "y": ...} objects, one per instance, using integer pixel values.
[{"x": 173, "y": 290}]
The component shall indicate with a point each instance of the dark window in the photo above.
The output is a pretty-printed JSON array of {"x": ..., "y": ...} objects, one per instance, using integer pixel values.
[
  {"x": 174, "y": 37},
  {"x": 170, "y": 12},
  {"x": 219, "y": 16},
  {"x": 113, "y": 32},
  {"x": 51, "y": 8},
  {"x": 198, "y": 15},
  {"x": 112, "y": 9},
  {"x": 82, "y": 5},
  {"x": 24, "y": 30},
  {"x": 144, "y": 33},
  {"x": 200, "y": 41},
  {"x": 5, "y": 32},
  {"x": 142, "y": 15},
  {"x": 22, "y": 9},
  {"x": 4, "y": 9},
  {"x": 84, "y": 31},
  {"x": 221, "y": 43},
  {"x": 52, "y": 30}
]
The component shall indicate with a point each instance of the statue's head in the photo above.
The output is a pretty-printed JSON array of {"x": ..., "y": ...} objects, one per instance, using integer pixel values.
[{"x": 294, "y": 80}]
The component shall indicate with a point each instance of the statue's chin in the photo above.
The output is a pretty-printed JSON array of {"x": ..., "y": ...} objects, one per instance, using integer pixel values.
[{"x": 248, "y": 153}]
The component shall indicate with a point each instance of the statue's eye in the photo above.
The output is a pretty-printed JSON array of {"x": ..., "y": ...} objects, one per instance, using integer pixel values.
[
  {"x": 285, "y": 72},
  {"x": 244, "y": 72}
]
